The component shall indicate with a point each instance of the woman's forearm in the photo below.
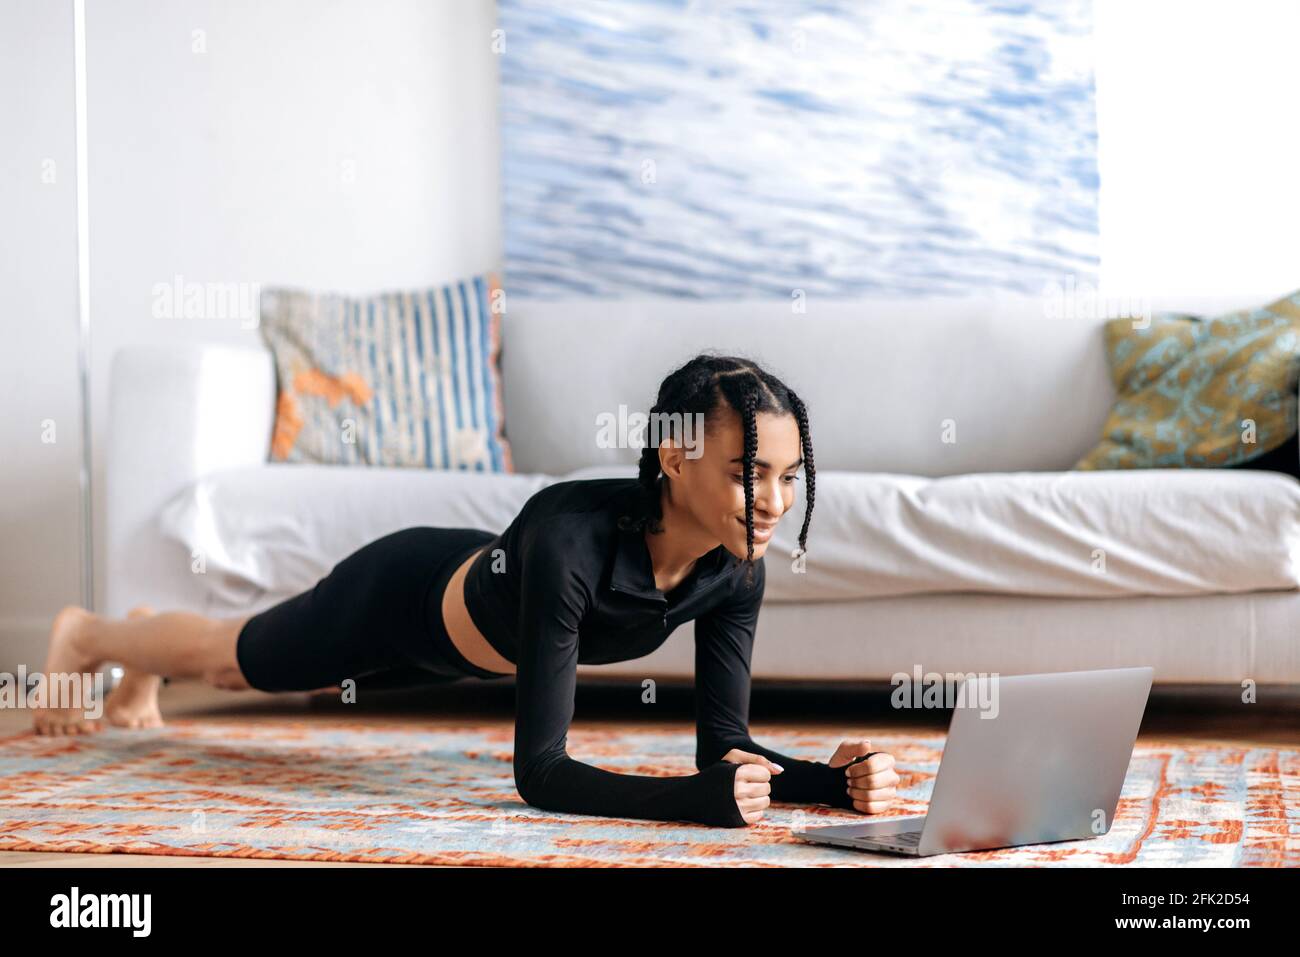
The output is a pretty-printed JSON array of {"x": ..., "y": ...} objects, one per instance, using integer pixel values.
[{"x": 568, "y": 786}]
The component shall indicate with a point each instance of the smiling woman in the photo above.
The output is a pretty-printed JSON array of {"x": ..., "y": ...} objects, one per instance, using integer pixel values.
[
  {"x": 743, "y": 408},
  {"x": 589, "y": 572}
]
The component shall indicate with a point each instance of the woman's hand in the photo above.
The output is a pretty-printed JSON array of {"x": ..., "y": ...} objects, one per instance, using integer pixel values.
[
  {"x": 753, "y": 782},
  {"x": 871, "y": 783}
]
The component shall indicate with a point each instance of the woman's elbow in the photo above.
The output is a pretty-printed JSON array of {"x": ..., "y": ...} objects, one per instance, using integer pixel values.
[{"x": 529, "y": 785}]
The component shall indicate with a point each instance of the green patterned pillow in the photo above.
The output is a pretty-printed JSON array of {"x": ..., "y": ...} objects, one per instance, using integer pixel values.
[{"x": 1201, "y": 392}]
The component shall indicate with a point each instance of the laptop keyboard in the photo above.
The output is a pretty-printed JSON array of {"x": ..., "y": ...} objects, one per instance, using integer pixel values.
[{"x": 906, "y": 837}]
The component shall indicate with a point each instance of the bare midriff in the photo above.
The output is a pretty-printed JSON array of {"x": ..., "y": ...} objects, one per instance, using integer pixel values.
[{"x": 464, "y": 634}]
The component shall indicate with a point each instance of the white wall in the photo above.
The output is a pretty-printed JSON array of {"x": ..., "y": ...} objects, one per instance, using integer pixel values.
[
  {"x": 1199, "y": 148},
  {"x": 328, "y": 143},
  {"x": 39, "y": 538}
]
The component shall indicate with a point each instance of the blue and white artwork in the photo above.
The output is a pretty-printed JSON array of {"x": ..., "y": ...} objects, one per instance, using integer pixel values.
[{"x": 751, "y": 148}]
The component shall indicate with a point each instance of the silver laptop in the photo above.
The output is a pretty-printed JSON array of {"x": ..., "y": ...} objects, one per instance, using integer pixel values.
[{"x": 1047, "y": 764}]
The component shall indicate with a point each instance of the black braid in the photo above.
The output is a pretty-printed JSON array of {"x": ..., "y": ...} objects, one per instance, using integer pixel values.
[
  {"x": 751, "y": 450},
  {"x": 805, "y": 440},
  {"x": 648, "y": 476},
  {"x": 702, "y": 386}
]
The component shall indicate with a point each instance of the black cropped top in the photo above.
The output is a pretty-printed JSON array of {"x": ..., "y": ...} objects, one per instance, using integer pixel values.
[{"x": 563, "y": 585}]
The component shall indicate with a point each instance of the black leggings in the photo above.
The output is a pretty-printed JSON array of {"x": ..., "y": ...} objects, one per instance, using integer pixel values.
[{"x": 375, "y": 618}]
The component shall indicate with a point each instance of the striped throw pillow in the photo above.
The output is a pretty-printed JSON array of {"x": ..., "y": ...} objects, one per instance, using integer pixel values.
[{"x": 404, "y": 379}]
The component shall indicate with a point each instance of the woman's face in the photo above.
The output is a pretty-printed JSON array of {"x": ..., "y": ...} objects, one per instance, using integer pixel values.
[{"x": 712, "y": 486}]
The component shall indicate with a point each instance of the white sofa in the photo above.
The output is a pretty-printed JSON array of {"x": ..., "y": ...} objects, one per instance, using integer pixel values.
[{"x": 980, "y": 554}]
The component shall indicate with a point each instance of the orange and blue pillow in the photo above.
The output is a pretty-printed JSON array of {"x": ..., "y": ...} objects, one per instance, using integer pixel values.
[{"x": 401, "y": 379}]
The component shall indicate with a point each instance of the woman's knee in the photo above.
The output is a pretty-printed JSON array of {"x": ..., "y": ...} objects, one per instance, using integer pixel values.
[
  {"x": 227, "y": 679},
  {"x": 223, "y": 669}
]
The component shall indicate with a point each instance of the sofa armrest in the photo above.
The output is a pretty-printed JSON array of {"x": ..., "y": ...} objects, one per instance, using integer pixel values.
[{"x": 176, "y": 413}]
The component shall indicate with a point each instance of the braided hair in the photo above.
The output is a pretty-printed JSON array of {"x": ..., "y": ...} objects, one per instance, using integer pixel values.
[{"x": 702, "y": 386}]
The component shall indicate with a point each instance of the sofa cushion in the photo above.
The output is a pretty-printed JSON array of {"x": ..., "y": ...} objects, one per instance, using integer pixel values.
[
  {"x": 1019, "y": 379},
  {"x": 268, "y": 532},
  {"x": 1070, "y": 534}
]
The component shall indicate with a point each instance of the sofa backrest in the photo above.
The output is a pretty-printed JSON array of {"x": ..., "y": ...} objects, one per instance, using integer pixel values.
[{"x": 885, "y": 381}]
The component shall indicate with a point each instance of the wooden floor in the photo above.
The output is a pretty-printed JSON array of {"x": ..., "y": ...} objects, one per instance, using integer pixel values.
[{"x": 1185, "y": 714}]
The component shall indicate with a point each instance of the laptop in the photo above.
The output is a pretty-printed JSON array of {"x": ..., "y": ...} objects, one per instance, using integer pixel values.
[{"x": 1046, "y": 765}]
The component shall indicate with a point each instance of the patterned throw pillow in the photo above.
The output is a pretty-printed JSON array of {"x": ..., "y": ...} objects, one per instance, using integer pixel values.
[
  {"x": 408, "y": 379},
  {"x": 1201, "y": 392}
]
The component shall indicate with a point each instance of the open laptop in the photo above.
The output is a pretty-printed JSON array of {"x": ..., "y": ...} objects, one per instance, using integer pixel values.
[{"x": 1047, "y": 765}]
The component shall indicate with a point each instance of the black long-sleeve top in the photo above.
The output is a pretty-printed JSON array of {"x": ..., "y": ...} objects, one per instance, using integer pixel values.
[{"x": 565, "y": 585}]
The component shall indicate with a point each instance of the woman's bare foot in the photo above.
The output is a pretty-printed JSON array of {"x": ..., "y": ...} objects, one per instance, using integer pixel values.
[
  {"x": 66, "y": 657},
  {"x": 133, "y": 703}
]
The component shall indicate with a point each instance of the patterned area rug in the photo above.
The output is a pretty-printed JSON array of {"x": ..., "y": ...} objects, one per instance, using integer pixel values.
[{"x": 416, "y": 793}]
